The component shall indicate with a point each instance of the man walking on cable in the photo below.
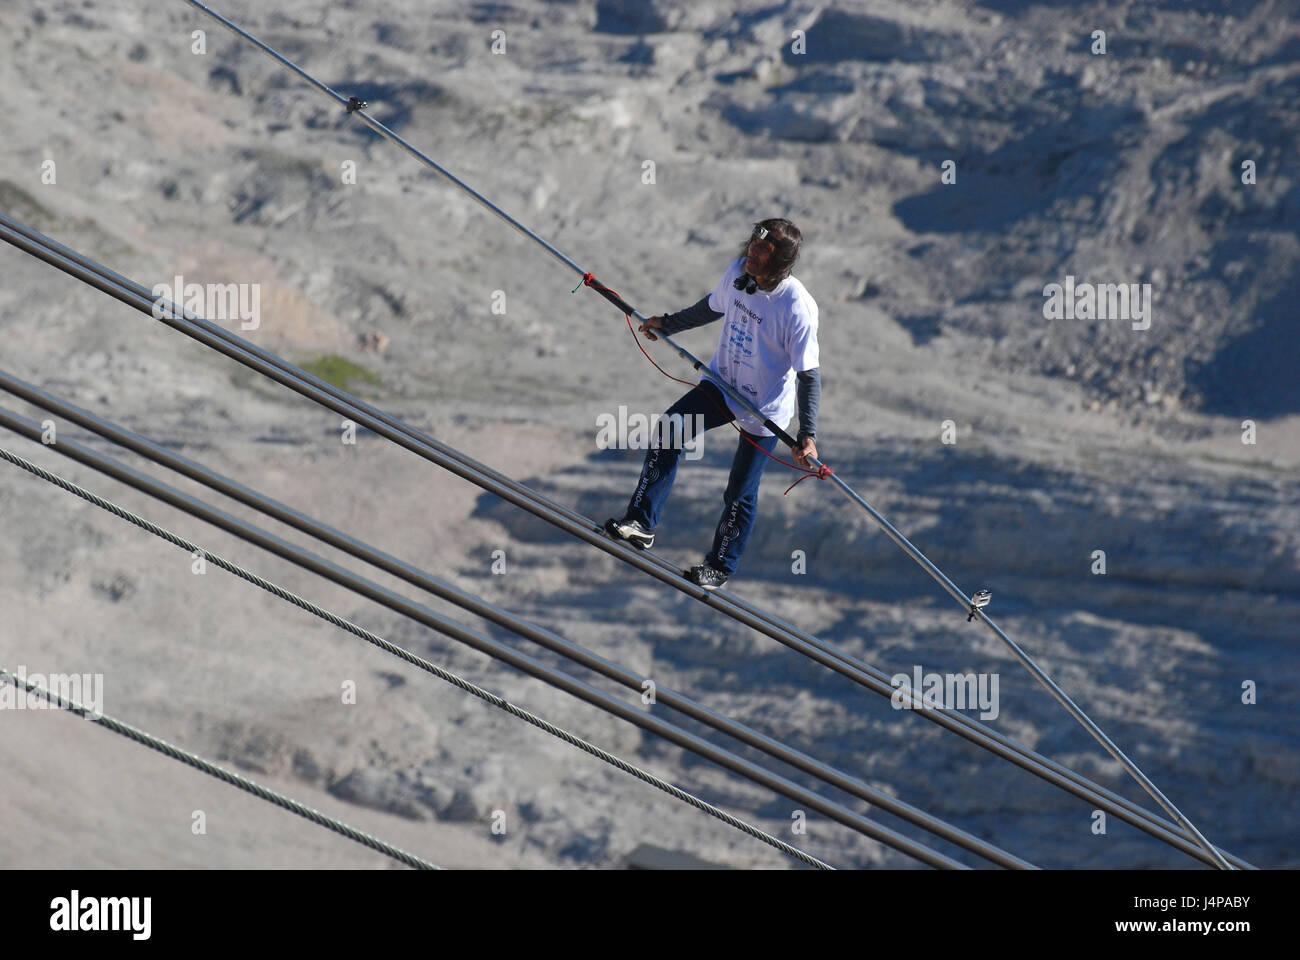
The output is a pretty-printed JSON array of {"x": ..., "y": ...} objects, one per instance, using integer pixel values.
[{"x": 767, "y": 351}]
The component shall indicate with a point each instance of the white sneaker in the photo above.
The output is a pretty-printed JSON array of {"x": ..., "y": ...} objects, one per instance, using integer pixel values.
[{"x": 630, "y": 531}]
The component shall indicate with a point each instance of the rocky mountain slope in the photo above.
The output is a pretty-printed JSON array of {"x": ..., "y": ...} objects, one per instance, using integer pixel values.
[{"x": 642, "y": 139}]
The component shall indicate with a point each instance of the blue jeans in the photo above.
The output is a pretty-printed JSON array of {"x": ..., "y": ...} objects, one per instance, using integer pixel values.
[{"x": 739, "y": 500}]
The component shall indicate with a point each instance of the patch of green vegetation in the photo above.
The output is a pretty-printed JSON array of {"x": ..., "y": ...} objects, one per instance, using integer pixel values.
[
  {"x": 85, "y": 234},
  {"x": 22, "y": 206},
  {"x": 338, "y": 371}
]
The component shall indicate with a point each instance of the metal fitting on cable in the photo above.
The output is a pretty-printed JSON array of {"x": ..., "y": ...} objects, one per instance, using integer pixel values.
[{"x": 978, "y": 602}]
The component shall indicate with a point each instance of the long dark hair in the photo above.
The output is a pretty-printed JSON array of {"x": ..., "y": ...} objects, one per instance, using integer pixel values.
[{"x": 787, "y": 239}]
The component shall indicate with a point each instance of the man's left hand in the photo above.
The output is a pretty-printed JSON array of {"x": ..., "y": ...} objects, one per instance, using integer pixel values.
[{"x": 805, "y": 450}]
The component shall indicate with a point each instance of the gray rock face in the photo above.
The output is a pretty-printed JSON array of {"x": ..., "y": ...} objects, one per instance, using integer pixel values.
[{"x": 1124, "y": 485}]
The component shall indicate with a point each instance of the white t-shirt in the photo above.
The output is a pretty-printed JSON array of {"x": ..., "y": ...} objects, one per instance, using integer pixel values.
[{"x": 766, "y": 337}]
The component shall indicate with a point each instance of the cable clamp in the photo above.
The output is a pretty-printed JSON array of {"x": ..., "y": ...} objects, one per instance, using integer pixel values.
[{"x": 978, "y": 602}]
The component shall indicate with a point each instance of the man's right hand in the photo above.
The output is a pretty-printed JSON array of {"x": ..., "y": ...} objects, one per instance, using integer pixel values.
[{"x": 654, "y": 323}]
